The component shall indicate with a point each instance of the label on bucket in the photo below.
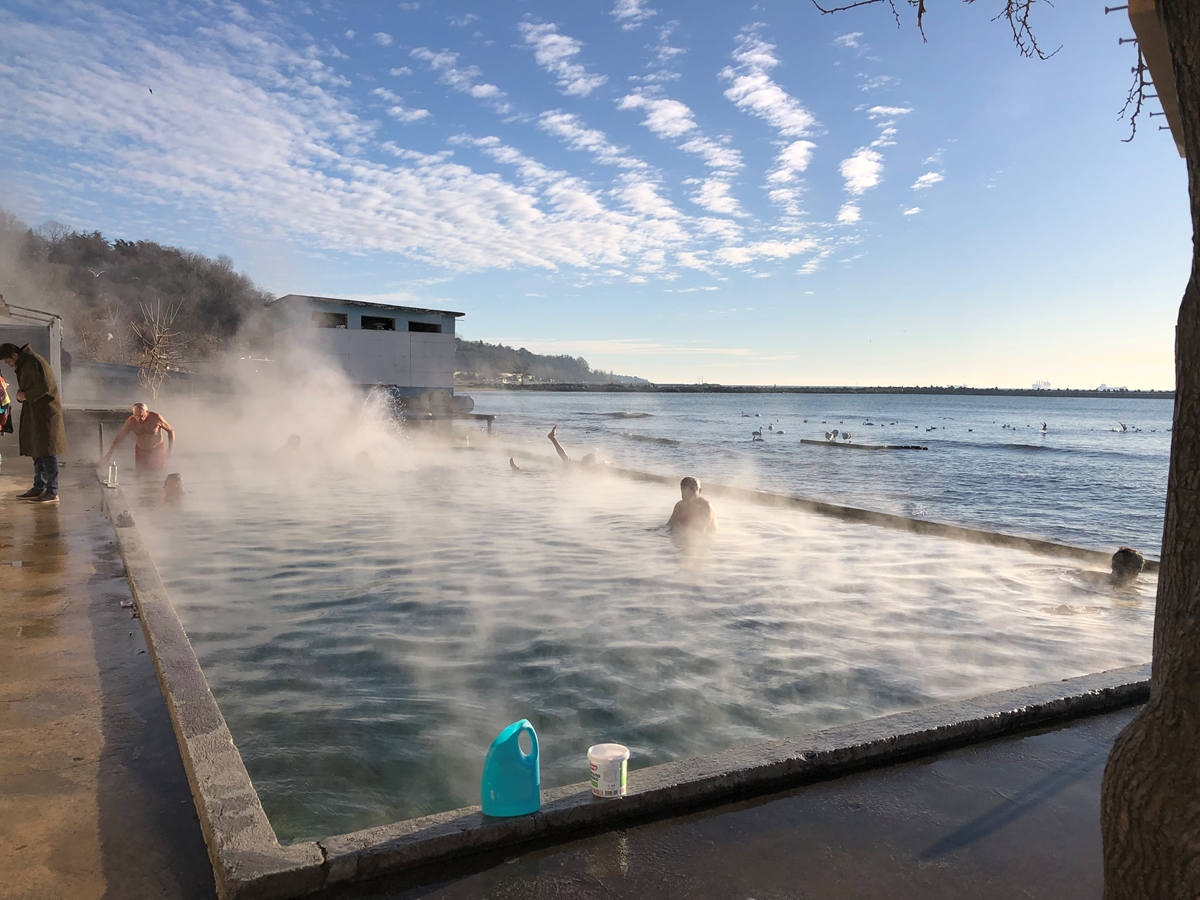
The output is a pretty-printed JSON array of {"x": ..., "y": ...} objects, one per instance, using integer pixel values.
[{"x": 609, "y": 766}]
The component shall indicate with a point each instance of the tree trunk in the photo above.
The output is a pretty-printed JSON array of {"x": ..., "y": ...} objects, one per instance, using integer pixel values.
[{"x": 1150, "y": 800}]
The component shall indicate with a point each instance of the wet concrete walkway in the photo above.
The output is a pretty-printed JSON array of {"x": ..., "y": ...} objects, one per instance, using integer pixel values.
[
  {"x": 1013, "y": 818},
  {"x": 93, "y": 798}
]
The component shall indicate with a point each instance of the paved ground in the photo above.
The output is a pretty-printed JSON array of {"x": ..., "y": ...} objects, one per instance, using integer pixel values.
[
  {"x": 94, "y": 802},
  {"x": 1015, "y": 818},
  {"x": 93, "y": 798}
]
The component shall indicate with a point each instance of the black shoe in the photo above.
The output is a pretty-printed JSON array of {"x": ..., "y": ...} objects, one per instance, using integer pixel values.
[
  {"x": 31, "y": 494},
  {"x": 43, "y": 497}
]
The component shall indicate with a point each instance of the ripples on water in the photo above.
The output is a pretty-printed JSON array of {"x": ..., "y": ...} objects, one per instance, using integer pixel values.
[{"x": 367, "y": 634}]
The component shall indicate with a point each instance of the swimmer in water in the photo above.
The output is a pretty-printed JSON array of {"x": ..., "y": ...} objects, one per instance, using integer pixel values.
[
  {"x": 1127, "y": 565},
  {"x": 173, "y": 488},
  {"x": 590, "y": 460},
  {"x": 692, "y": 514},
  {"x": 513, "y": 465}
]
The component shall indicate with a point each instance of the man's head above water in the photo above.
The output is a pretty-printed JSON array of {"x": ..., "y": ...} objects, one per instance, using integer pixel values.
[
  {"x": 1127, "y": 565},
  {"x": 689, "y": 487}
]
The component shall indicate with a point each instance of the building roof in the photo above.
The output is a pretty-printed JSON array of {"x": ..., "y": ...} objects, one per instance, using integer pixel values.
[{"x": 365, "y": 304}]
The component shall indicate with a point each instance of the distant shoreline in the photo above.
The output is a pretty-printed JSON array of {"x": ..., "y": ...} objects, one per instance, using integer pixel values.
[{"x": 790, "y": 389}]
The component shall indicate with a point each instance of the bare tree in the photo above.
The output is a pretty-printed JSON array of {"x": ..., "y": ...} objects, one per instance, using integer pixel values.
[
  {"x": 161, "y": 348},
  {"x": 1150, "y": 798}
]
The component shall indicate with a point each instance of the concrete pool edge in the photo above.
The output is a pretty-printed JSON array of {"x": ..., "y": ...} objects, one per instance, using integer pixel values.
[
  {"x": 249, "y": 862},
  {"x": 247, "y": 859},
  {"x": 674, "y": 788}
]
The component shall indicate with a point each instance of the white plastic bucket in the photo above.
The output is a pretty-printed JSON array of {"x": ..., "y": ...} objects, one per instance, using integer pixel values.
[{"x": 609, "y": 764}]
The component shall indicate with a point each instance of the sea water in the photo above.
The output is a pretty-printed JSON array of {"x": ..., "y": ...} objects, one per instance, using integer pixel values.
[{"x": 368, "y": 630}]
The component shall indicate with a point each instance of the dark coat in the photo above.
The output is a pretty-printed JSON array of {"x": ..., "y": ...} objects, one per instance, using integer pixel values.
[{"x": 42, "y": 432}]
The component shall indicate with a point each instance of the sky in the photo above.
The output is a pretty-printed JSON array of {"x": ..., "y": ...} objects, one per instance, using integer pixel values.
[{"x": 687, "y": 191}]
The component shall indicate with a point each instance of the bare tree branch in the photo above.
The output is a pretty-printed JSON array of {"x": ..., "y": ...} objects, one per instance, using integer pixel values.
[
  {"x": 1015, "y": 12},
  {"x": 1136, "y": 97}
]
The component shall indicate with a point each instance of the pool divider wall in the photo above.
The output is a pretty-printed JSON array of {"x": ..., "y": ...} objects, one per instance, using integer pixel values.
[
  {"x": 250, "y": 864},
  {"x": 866, "y": 516},
  {"x": 247, "y": 859}
]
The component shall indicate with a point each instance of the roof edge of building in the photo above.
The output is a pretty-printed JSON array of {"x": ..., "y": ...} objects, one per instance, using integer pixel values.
[{"x": 367, "y": 304}]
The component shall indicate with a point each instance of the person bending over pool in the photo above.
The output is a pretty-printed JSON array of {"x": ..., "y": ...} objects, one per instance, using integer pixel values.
[
  {"x": 150, "y": 451},
  {"x": 590, "y": 460},
  {"x": 693, "y": 513}
]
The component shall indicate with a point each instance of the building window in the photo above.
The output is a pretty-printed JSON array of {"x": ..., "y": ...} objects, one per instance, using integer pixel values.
[
  {"x": 378, "y": 323},
  {"x": 425, "y": 327},
  {"x": 329, "y": 320}
]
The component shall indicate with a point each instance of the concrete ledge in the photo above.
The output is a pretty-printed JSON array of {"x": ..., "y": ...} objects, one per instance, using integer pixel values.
[
  {"x": 869, "y": 517},
  {"x": 249, "y": 863},
  {"x": 247, "y": 859},
  {"x": 673, "y": 788}
]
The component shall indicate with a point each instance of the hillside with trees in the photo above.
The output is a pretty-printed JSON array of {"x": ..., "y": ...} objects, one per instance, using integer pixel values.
[
  {"x": 128, "y": 301},
  {"x": 118, "y": 296},
  {"x": 481, "y": 363}
]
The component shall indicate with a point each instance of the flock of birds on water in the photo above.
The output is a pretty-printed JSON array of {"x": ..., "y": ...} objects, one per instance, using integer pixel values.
[{"x": 841, "y": 435}]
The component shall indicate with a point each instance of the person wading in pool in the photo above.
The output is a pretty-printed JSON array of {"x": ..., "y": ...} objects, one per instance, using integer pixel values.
[
  {"x": 693, "y": 514},
  {"x": 150, "y": 452}
]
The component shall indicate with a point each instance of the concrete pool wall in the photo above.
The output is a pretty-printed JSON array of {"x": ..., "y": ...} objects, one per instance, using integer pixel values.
[{"x": 249, "y": 862}]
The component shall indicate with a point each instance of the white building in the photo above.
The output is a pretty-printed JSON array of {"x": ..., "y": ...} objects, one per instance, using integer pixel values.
[{"x": 399, "y": 346}]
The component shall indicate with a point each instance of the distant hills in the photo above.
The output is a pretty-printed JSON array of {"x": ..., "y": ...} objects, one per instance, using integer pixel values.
[
  {"x": 104, "y": 290},
  {"x": 480, "y": 363}
]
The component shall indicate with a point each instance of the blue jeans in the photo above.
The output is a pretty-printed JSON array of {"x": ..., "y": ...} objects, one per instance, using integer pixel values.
[{"x": 45, "y": 474}]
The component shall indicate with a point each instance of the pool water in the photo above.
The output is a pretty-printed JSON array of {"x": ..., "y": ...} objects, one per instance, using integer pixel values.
[{"x": 368, "y": 631}]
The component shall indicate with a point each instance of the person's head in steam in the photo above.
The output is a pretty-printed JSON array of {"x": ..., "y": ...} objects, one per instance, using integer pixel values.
[
  {"x": 693, "y": 512},
  {"x": 9, "y": 354},
  {"x": 140, "y": 411},
  {"x": 1127, "y": 565},
  {"x": 173, "y": 488}
]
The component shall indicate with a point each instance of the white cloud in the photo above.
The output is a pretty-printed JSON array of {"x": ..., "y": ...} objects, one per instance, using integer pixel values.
[
  {"x": 889, "y": 112},
  {"x": 862, "y": 171},
  {"x": 296, "y": 163},
  {"x": 382, "y": 38},
  {"x": 400, "y": 70},
  {"x": 793, "y": 160},
  {"x": 847, "y": 40},
  {"x": 631, "y": 14},
  {"x": 870, "y": 84},
  {"x": 935, "y": 159},
  {"x": 666, "y": 118},
  {"x": 715, "y": 155},
  {"x": 765, "y": 250},
  {"x": 553, "y": 52},
  {"x": 928, "y": 180},
  {"x": 398, "y": 110},
  {"x": 753, "y": 90},
  {"x": 715, "y": 197},
  {"x": 350, "y": 35},
  {"x": 464, "y": 79},
  {"x": 912, "y": 210},
  {"x": 577, "y": 136},
  {"x": 409, "y": 7},
  {"x": 849, "y": 214},
  {"x": 671, "y": 119},
  {"x": 463, "y": 21}
]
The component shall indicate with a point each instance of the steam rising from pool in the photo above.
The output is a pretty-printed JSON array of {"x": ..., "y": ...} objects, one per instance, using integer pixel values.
[{"x": 369, "y": 626}]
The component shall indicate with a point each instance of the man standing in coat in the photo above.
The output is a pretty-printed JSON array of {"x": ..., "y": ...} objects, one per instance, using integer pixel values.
[{"x": 41, "y": 433}]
